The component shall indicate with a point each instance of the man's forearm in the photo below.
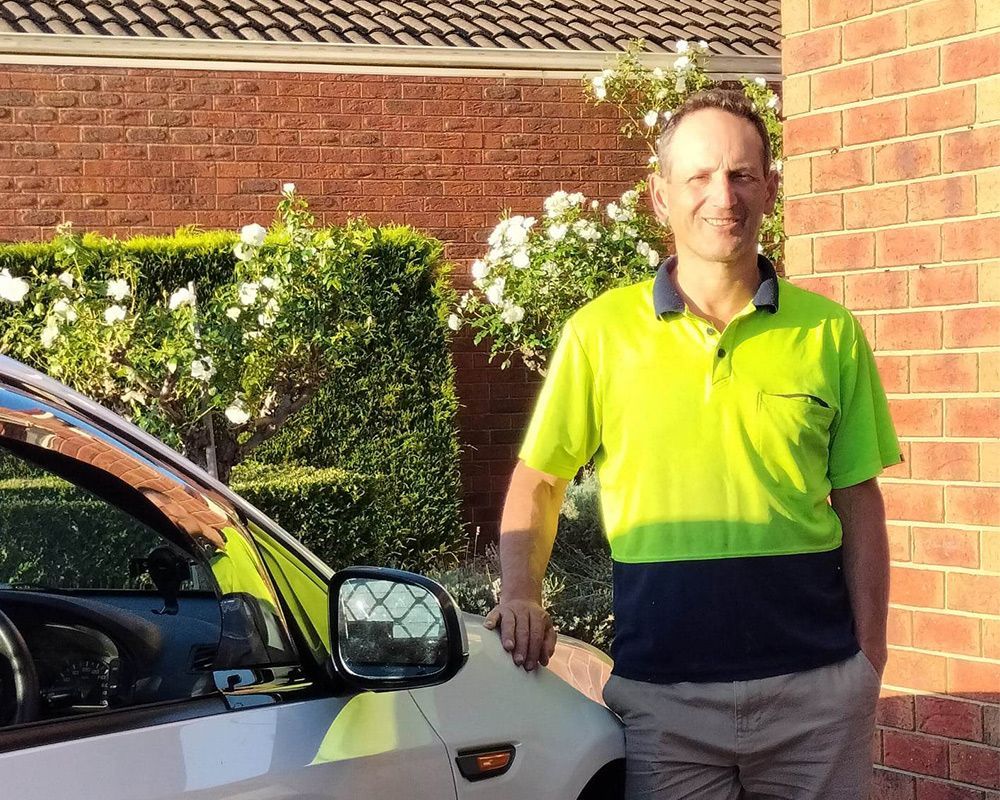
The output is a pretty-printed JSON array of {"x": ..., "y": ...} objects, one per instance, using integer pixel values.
[
  {"x": 866, "y": 563},
  {"x": 527, "y": 531}
]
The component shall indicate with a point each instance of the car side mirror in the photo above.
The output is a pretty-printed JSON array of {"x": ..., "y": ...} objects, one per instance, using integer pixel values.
[{"x": 393, "y": 630}]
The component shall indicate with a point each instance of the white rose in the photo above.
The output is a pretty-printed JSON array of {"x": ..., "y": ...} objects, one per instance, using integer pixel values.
[
  {"x": 667, "y": 115},
  {"x": 454, "y": 322},
  {"x": 181, "y": 297},
  {"x": 760, "y": 248},
  {"x": 253, "y": 234},
  {"x": 233, "y": 312},
  {"x": 494, "y": 292},
  {"x": 49, "y": 335},
  {"x": 556, "y": 233},
  {"x": 682, "y": 46},
  {"x": 66, "y": 279},
  {"x": 520, "y": 260},
  {"x": 682, "y": 62},
  {"x": 118, "y": 289},
  {"x": 248, "y": 293},
  {"x": 288, "y": 188},
  {"x": 642, "y": 248},
  {"x": 703, "y": 46},
  {"x": 651, "y": 117},
  {"x": 265, "y": 320},
  {"x": 113, "y": 314},
  {"x": 680, "y": 85},
  {"x": 613, "y": 211},
  {"x": 773, "y": 101},
  {"x": 653, "y": 258},
  {"x": 512, "y": 314},
  {"x": 630, "y": 198},
  {"x": 269, "y": 283},
  {"x": 64, "y": 311},
  {"x": 760, "y": 81},
  {"x": 202, "y": 369},
  {"x": 600, "y": 92},
  {"x": 480, "y": 269},
  {"x": 657, "y": 73},
  {"x": 236, "y": 413},
  {"x": 778, "y": 166},
  {"x": 12, "y": 289}
]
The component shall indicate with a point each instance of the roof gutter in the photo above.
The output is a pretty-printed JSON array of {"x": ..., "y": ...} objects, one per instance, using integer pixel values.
[{"x": 138, "y": 51}]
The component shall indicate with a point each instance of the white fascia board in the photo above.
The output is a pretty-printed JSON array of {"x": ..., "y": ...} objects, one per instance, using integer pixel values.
[{"x": 200, "y": 54}]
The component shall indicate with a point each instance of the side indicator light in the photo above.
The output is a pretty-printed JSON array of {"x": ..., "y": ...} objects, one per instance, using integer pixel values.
[{"x": 477, "y": 765}]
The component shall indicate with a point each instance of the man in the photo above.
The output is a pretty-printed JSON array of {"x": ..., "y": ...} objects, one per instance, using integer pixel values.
[{"x": 723, "y": 408}]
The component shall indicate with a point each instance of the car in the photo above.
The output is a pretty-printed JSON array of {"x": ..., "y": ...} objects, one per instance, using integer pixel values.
[{"x": 162, "y": 638}]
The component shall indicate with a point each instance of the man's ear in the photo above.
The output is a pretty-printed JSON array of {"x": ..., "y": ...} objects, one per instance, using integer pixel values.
[
  {"x": 658, "y": 197},
  {"x": 772, "y": 180}
]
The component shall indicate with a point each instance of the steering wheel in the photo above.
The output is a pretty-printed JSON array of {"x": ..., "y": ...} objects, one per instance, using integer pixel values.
[{"x": 22, "y": 666}]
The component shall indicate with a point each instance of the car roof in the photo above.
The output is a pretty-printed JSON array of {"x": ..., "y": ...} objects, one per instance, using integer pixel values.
[{"x": 29, "y": 381}]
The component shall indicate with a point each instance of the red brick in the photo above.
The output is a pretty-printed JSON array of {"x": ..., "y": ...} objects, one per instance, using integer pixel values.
[
  {"x": 974, "y": 238},
  {"x": 946, "y": 633},
  {"x": 899, "y": 541},
  {"x": 811, "y": 133},
  {"x": 928, "y": 789},
  {"x": 915, "y": 753},
  {"x": 919, "y": 330},
  {"x": 940, "y": 19},
  {"x": 810, "y": 51},
  {"x": 909, "y": 159},
  {"x": 991, "y": 644},
  {"x": 831, "y": 286},
  {"x": 975, "y": 764},
  {"x": 950, "y": 285},
  {"x": 846, "y": 252},
  {"x": 941, "y": 199},
  {"x": 872, "y": 290},
  {"x": 917, "y": 416},
  {"x": 896, "y": 711},
  {"x": 972, "y": 327},
  {"x": 875, "y": 122},
  {"x": 916, "y": 587},
  {"x": 973, "y": 416},
  {"x": 895, "y": 373},
  {"x": 906, "y": 72},
  {"x": 885, "y": 205},
  {"x": 954, "y": 461},
  {"x": 914, "y": 501},
  {"x": 972, "y": 58},
  {"x": 979, "y": 594},
  {"x": 899, "y": 627},
  {"x": 850, "y": 84},
  {"x": 827, "y": 12},
  {"x": 945, "y": 716},
  {"x": 914, "y": 670},
  {"x": 969, "y": 150},
  {"x": 842, "y": 170},
  {"x": 813, "y": 214},
  {"x": 944, "y": 372},
  {"x": 972, "y": 679},
  {"x": 892, "y": 785},
  {"x": 935, "y": 111},
  {"x": 875, "y": 35},
  {"x": 911, "y": 245},
  {"x": 973, "y": 505}
]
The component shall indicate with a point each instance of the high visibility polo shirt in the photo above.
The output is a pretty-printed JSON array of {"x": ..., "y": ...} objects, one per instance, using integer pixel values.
[{"x": 716, "y": 452}]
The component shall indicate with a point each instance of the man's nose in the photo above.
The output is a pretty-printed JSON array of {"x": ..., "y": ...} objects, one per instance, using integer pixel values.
[{"x": 722, "y": 191}]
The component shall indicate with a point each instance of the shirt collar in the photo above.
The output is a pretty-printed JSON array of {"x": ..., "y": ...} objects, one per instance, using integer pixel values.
[{"x": 666, "y": 298}]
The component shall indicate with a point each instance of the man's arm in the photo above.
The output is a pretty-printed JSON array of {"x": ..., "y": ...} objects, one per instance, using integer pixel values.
[
  {"x": 527, "y": 531},
  {"x": 866, "y": 564}
]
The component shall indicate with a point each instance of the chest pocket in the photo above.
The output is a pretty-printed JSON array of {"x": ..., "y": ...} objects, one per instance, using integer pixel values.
[{"x": 793, "y": 440}]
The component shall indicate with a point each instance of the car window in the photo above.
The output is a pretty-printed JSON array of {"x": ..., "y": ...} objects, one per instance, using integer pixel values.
[{"x": 124, "y": 584}]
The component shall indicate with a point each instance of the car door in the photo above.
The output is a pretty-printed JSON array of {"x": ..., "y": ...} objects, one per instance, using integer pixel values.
[{"x": 150, "y": 654}]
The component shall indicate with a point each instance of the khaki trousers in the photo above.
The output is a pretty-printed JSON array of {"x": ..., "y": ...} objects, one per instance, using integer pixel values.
[{"x": 802, "y": 736}]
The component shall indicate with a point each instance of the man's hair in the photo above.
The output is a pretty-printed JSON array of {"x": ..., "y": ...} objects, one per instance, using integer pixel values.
[{"x": 729, "y": 100}]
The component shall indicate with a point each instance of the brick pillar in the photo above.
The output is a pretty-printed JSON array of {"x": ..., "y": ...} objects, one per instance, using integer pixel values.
[{"x": 893, "y": 184}]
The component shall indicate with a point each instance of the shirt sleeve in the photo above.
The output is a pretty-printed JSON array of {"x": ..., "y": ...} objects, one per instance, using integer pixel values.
[
  {"x": 863, "y": 441},
  {"x": 564, "y": 432}
]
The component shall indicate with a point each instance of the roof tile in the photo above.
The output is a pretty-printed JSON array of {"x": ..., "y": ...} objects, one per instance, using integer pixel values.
[{"x": 750, "y": 27}]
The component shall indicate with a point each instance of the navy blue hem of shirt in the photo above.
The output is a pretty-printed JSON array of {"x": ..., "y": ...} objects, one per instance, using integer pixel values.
[{"x": 730, "y": 619}]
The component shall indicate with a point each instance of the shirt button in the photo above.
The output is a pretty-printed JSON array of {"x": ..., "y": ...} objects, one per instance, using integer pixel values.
[
  {"x": 712, "y": 331},
  {"x": 721, "y": 353}
]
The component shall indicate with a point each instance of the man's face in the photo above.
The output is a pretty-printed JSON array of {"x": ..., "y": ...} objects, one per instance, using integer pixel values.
[{"x": 715, "y": 191}]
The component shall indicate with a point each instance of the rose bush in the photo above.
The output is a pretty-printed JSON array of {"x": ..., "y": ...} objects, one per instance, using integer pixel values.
[
  {"x": 536, "y": 273},
  {"x": 213, "y": 375}
]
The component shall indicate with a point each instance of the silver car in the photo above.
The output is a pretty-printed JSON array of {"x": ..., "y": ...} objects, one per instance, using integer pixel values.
[{"x": 161, "y": 638}]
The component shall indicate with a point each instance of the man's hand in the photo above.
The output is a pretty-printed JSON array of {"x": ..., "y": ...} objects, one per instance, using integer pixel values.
[{"x": 526, "y": 631}]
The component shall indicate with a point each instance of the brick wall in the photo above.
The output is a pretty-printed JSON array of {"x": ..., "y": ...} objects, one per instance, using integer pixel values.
[
  {"x": 125, "y": 151},
  {"x": 893, "y": 179}
]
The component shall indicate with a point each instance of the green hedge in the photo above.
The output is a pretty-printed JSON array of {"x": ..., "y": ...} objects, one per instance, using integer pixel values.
[{"x": 386, "y": 417}]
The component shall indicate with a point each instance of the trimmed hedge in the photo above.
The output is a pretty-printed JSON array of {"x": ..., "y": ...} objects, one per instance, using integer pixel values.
[{"x": 381, "y": 435}]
